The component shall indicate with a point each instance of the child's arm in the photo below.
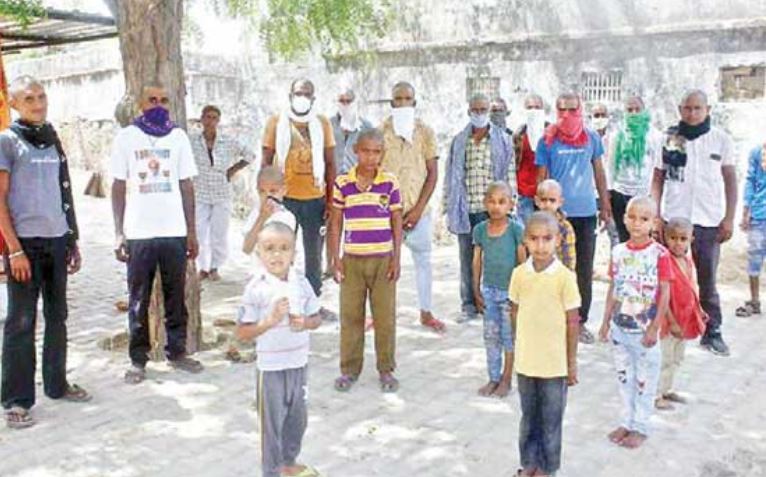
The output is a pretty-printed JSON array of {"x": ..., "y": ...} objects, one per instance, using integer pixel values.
[
  {"x": 650, "y": 335},
  {"x": 250, "y": 331},
  {"x": 521, "y": 254},
  {"x": 514, "y": 313},
  {"x": 333, "y": 239},
  {"x": 396, "y": 231},
  {"x": 573, "y": 333},
  {"x": 476, "y": 267},
  {"x": 267, "y": 208},
  {"x": 304, "y": 323},
  {"x": 603, "y": 332},
  {"x": 675, "y": 328}
]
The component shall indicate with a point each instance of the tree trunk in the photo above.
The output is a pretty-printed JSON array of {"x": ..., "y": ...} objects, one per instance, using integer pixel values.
[{"x": 150, "y": 44}]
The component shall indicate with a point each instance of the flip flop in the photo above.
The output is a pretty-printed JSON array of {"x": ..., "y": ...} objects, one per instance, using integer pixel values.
[
  {"x": 135, "y": 375},
  {"x": 344, "y": 382},
  {"x": 307, "y": 471},
  {"x": 434, "y": 324},
  {"x": 388, "y": 383},
  {"x": 18, "y": 418},
  {"x": 75, "y": 393}
]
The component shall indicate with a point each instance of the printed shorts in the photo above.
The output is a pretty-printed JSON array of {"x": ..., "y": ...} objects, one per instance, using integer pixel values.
[{"x": 756, "y": 248}]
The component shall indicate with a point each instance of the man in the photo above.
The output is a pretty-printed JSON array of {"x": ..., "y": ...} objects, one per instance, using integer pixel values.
[
  {"x": 410, "y": 154},
  {"x": 154, "y": 225},
  {"x": 480, "y": 154},
  {"x": 218, "y": 158},
  {"x": 38, "y": 223},
  {"x": 571, "y": 154},
  {"x": 498, "y": 114},
  {"x": 525, "y": 142},
  {"x": 599, "y": 120},
  {"x": 695, "y": 178},
  {"x": 346, "y": 126},
  {"x": 300, "y": 142}
]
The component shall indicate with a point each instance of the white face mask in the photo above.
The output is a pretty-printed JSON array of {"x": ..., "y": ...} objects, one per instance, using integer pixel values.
[
  {"x": 404, "y": 121},
  {"x": 300, "y": 104},
  {"x": 535, "y": 126},
  {"x": 348, "y": 114},
  {"x": 599, "y": 123}
]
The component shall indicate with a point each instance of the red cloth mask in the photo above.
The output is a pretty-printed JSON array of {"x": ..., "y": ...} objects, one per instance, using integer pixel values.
[{"x": 569, "y": 129}]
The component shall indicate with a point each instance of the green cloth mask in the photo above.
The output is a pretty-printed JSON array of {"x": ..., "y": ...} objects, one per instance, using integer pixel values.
[{"x": 631, "y": 141}]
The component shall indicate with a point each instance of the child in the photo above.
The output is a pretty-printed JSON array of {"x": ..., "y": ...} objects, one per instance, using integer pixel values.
[
  {"x": 685, "y": 319},
  {"x": 549, "y": 199},
  {"x": 754, "y": 222},
  {"x": 283, "y": 348},
  {"x": 369, "y": 202},
  {"x": 497, "y": 249},
  {"x": 545, "y": 306},
  {"x": 635, "y": 306}
]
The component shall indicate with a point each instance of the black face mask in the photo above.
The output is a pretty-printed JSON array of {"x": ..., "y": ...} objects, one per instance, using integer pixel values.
[
  {"x": 40, "y": 136},
  {"x": 693, "y": 132},
  {"x": 498, "y": 118}
]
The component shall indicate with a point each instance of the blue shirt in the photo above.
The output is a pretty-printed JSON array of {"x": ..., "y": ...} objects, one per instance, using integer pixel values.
[
  {"x": 755, "y": 185},
  {"x": 572, "y": 167},
  {"x": 498, "y": 253}
]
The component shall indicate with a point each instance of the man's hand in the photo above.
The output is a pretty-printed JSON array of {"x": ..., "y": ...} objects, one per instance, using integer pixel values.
[
  {"x": 393, "y": 270},
  {"x": 338, "y": 274},
  {"x": 192, "y": 246},
  {"x": 121, "y": 249},
  {"x": 605, "y": 215},
  {"x": 73, "y": 260},
  {"x": 478, "y": 301},
  {"x": 411, "y": 218},
  {"x": 725, "y": 230},
  {"x": 572, "y": 374},
  {"x": 21, "y": 269},
  {"x": 675, "y": 330}
]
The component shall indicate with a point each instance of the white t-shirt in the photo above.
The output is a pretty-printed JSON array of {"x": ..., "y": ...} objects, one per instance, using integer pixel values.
[
  {"x": 632, "y": 181},
  {"x": 152, "y": 167},
  {"x": 697, "y": 192},
  {"x": 279, "y": 348}
]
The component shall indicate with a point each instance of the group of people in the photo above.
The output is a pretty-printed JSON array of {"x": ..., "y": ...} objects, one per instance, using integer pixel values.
[{"x": 525, "y": 207}]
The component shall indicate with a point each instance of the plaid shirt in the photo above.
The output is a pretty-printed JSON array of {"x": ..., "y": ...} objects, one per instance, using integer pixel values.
[
  {"x": 479, "y": 173},
  {"x": 566, "y": 248},
  {"x": 211, "y": 185}
]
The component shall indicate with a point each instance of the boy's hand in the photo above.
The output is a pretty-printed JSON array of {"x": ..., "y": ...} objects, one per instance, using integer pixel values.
[
  {"x": 650, "y": 337},
  {"x": 478, "y": 301},
  {"x": 280, "y": 309},
  {"x": 268, "y": 207},
  {"x": 338, "y": 274},
  {"x": 745, "y": 224},
  {"x": 603, "y": 332},
  {"x": 393, "y": 270},
  {"x": 297, "y": 323},
  {"x": 675, "y": 330},
  {"x": 572, "y": 374}
]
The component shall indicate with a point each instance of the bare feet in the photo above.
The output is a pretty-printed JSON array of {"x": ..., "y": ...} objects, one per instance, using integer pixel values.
[
  {"x": 488, "y": 389},
  {"x": 633, "y": 440},
  {"x": 618, "y": 435},
  {"x": 502, "y": 389},
  {"x": 214, "y": 276},
  {"x": 663, "y": 404},
  {"x": 203, "y": 275}
]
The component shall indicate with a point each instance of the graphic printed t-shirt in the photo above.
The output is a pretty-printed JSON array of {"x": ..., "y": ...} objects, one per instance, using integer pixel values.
[
  {"x": 152, "y": 167},
  {"x": 572, "y": 167},
  {"x": 636, "y": 273},
  {"x": 498, "y": 253},
  {"x": 543, "y": 299}
]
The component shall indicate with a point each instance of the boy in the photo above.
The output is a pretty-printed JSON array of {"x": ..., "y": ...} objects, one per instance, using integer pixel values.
[
  {"x": 497, "y": 249},
  {"x": 636, "y": 304},
  {"x": 549, "y": 199},
  {"x": 544, "y": 313},
  {"x": 754, "y": 223},
  {"x": 369, "y": 202},
  {"x": 283, "y": 349},
  {"x": 685, "y": 317}
]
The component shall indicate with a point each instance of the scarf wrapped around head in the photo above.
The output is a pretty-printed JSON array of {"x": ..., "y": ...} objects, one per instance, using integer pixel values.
[
  {"x": 569, "y": 128},
  {"x": 155, "y": 122},
  {"x": 631, "y": 141}
]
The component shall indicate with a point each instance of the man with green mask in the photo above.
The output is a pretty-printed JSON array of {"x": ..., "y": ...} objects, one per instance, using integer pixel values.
[{"x": 629, "y": 160}]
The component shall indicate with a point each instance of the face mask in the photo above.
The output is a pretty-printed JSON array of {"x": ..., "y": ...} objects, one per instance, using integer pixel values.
[
  {"x": 479, "y": 121},
  {"x": 599, "y": 123},
  {"x": 404, "y": 121},
  {"x": 348, "y": 115},
  {"x": 300, "y": 104},
  {"x": 157, "y": 115},
  {"x": 535, "y": 125},
  {"x": 498, "y": 118}
]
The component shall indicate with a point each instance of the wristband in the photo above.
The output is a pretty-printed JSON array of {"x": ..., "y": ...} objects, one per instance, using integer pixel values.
[{"x": 13, "y": 255}]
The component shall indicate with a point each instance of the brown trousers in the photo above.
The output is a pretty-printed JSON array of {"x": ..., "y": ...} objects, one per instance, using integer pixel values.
[{"x": 363, "y": 277}]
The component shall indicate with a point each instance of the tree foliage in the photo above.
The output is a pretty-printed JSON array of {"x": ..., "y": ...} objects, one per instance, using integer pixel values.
[
  {"x": 23, "y": 11},
  {"x": 291, "y": 28}
]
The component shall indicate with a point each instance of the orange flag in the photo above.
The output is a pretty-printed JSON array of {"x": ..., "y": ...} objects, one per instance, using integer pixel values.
[{"x": 5, "y": 115}]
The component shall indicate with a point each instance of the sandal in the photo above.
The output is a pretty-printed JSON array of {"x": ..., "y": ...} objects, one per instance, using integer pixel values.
[
  {"x": 388, "y": 383},
  {"x": 663, "y": 404},
  {"x": 18, "y": 418},
  {"x": 344, "y": 382},
  {"x": 434, "y": 324},
  {"x": 307, "y": 471},
  {"x": 748, "y": 309},
  {"x": 75, "y": 393},
  {"x": 135, "y": 374}
]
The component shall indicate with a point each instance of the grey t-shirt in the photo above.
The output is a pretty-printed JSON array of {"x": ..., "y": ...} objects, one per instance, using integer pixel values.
[{"x": 34, "y": 198}]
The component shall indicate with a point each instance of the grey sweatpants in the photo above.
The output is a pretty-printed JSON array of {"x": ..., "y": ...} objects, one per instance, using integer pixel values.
[{"x": 281, "y": 397}]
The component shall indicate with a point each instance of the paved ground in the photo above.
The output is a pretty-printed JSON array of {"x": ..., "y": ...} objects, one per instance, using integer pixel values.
[{"x": 180, "y": 425}]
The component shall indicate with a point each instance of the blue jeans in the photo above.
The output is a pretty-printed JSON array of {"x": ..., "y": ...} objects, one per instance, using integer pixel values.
[
  {"x": 543, "y": 401},
  {"x": 524, "y": 208},
  {"x": 418, "y": 240},
  {"x": 465, "y": 244},
  {"x": 498, "y": 335},
  {"x": 638, "y": 372}
]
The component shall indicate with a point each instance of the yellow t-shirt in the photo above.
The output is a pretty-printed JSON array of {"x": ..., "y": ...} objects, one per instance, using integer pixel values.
[
  {"x": 299, "y": 174},
  {"x": 543, "y": 299}
]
